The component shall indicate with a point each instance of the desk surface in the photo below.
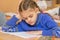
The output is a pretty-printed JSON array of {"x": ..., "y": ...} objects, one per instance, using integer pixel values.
[
  {"x": 4, "y": 36},
  {"x": 58, "y": 22},
  {"x": 9, "y": 37}
]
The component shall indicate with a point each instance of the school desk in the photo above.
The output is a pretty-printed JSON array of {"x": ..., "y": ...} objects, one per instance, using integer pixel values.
[{"x": 4, "y": 36}]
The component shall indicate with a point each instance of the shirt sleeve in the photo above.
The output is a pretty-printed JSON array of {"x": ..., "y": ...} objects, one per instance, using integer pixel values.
[
  {"x": 12, "y": 21},
  {"x": 56, "y": 32},
  {"x": 50, "y": 25},
  {"x": 49, "y": 22}
]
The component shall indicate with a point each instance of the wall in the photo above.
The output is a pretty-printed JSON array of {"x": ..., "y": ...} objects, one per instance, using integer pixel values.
[
  {"x": 12, "y": 5},
  {"x": 9, "y": 5}
]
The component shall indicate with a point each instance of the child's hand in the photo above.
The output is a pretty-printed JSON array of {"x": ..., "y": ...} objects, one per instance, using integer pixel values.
[
  {"x": 19, "y": 17},
  {"x": 36, "y": 0}
]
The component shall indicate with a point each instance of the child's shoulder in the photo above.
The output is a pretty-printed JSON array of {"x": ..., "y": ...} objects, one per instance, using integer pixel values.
[
  {"x": 44, "y": 14},
  {"x": 44, "y": 17}
]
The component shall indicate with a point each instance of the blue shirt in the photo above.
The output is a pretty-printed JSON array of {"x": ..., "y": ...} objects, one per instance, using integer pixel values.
[{"x": 44, "y": 22}]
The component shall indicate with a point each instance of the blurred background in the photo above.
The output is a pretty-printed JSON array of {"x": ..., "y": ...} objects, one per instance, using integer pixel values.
[{"x": 10, "y": 7}]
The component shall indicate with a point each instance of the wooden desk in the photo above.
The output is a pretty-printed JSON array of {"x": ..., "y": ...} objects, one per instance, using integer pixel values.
[
  {"x": 59, "y": 24},
  {"x": 4, "y": 36},
  {"x": 9, "y": 37}
]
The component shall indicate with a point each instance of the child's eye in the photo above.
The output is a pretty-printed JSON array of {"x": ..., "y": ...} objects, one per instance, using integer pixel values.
[
  {"x": 25, "y": 18},
  {"x": 31, "y": 16}
]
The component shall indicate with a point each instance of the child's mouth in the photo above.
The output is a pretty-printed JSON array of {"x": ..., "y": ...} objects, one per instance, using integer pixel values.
[{"x": 31, "y": 23}]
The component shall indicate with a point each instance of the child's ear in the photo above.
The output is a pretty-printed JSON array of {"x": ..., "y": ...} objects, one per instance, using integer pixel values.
[{"x": 37, "y": 10}]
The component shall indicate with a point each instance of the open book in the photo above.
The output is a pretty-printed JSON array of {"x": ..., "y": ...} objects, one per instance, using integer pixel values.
[
  {"x": 58, "y": 21},
  {"x": 22, "y": 34}
]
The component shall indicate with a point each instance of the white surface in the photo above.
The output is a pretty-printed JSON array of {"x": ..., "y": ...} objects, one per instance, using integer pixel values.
[
  {"x": 53, "y": 11},
  {"x": 42, "y": 4},
  {"x": 22, "y": 34},
  {"x": 58, "y": 21},
  {"x": 10, "y": 14}
]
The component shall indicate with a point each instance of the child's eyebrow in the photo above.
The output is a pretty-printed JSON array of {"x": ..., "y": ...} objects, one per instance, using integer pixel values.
[
  {"x": 28, "y": 16},
  {"x": 31, "y": 15}
]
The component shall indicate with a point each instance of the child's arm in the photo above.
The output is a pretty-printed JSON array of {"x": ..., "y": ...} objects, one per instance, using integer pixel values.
[
  {"x": 50, "y": 22},
  {"x": 14, "y": 20},
  {"x": 11, "y": 25},
  {"x": 36, "y": 0},
  {"x": 50, "y": 25}
]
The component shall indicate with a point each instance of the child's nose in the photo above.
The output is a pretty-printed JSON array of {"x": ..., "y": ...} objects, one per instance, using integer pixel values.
[{"x": 29, "y": 19}]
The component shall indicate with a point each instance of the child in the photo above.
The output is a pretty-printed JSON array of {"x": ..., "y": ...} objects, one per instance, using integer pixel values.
[
  {"x": 43, "y": 6},
  {"x": 29, "y": 19}
]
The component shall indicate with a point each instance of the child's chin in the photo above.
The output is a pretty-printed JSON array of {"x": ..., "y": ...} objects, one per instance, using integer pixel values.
[{"x": 32, "y": 24}]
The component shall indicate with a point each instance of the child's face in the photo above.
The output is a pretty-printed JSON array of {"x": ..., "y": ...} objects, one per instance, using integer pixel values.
[{"x": 30, "y": 16}]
